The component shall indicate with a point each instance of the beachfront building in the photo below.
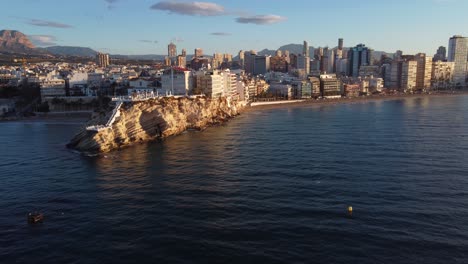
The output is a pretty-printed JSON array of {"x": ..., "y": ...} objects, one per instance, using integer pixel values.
[
  {"x": 330, "y": 86},
  {"x": 352, "y": 90},
  {"x": 408, "y": 75},
  {"x": 315, "y": 87},
  {"x": 458, "y": 53},
  {"x": 423, "y": 72},
  {"x": 442, "y": 75}
]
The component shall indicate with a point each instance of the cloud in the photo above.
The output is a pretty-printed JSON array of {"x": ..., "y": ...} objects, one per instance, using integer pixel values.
[
  {"x": 45, "y": 23},
  {"x": 43, "y": 40},
  {"x": 261, "y": 19},
  {"x": 111, "y": 3},
  {"x": 148, "y": 41},
  {"x": 190, "y": 9},
  {"x": 220, "y": 34}
]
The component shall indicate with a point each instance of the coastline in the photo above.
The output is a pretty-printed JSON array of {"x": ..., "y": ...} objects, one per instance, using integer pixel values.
[{"x": 344, "y": 100}]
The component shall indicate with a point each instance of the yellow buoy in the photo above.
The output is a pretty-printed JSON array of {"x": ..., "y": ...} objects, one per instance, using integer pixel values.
[{"x": 350, "y": 209}]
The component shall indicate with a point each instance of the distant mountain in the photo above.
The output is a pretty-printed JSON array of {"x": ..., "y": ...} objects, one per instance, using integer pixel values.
[
  {"x": 12, "y": 41},
  {"x": 297, "y": 49},
  {"x": 138, "y": 57},
  {"x": 292, "y": 48},
  {"x": 71, "y": 51}
]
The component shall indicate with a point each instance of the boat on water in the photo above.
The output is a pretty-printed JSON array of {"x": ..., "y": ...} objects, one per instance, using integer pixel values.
[{"x": 35, "y": 217}]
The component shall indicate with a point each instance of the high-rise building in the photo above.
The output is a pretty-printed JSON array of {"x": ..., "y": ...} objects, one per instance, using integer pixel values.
[
  {"x": 305, "y": 50},
  {"x": 408, "y": 75},
  {"x": 337, "y": 56},
  {"x": 442, "y": 74},
  {"x": 227, "y": 57},
  {"x": 184, "y": 52},
  {"x": 398, "y": 55},
  {"x": 340, "y": 44},
  {"x": 181, "y": 61},
  {"x": 171, "y": 50},
  {"x": 424, "y": 71},
  {"x": 286, "y": 55},
  {"x": 278, "y": 53},
  {"x": 261, "y": 65},
  {"x": 102, "y": 59},
  {"x": 242, "y": 59},
  {"x": 279, "y": 64},
  {"x": 249, "y": 61},
  {"x": 330, "y": 85},
  {"x": 458, "y": 53},
  {"x": 198, "y": 52},
  {"x": 303, "y": 66},
  {"x": 441, "y": 54},
  {"x": 358, "y": 56}
]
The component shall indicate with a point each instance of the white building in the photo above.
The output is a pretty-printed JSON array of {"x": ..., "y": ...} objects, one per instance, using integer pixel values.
[
  {"x": 442, "y": 74},
  {"x": 78, "y": 78},
  {"x": 230, "y": 84},
  {"x": 211, "y": 84},
  {"x": 179, "y": 82},
  {"x": 141, "y": 86},
  {"x": 52, "y": 87}
]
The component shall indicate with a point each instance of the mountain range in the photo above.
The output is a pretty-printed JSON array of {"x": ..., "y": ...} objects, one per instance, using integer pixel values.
[
  {"x": 15, "y": 42},
  {"x": 12, "y": 41}
]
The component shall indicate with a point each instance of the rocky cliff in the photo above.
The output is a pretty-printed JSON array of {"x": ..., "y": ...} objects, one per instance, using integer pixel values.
[
  {"x": 14, "y": 41},
  {"x": 153, "y": 119}
]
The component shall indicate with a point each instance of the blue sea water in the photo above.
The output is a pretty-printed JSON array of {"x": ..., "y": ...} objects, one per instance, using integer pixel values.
[{"x": 270, "y": 186}]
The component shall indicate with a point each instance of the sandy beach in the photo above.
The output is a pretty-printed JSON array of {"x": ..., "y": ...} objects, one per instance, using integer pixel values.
[{"x": 363, "y": 99}]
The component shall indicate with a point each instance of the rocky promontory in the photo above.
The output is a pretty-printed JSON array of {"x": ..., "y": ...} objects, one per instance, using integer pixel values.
[{"x": 142, "y": 121}]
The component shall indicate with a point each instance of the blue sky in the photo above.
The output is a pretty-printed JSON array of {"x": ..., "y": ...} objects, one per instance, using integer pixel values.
[{"x": 147, "y": 26}]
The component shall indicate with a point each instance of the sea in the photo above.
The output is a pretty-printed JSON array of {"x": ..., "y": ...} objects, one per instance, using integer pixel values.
[{"x": 272, "y": 185}]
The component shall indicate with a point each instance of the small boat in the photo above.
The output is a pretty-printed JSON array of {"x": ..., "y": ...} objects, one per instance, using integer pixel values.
[{"x": 35, "y": 217}]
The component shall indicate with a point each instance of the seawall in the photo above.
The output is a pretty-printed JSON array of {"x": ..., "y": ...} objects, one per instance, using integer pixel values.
[{"x": 153, "y": 119}]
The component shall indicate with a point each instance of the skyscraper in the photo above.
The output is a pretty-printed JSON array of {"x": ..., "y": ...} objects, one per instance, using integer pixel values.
[
  {"x": 305, "y": 50},
  {"x": 102, "y": 59},
  {"x": 171, "y": 50},
  {"x": 198, "y": 52},
  {"x": 338, "y": 55},
  {"x": 242, "y": 59},
  {"x": 184, "y": 52},
  {"x": 441, "y": 54},
  {"x": 340, "y": 44},
  {"x": 458, "y": 53},
  {"x": 424, "y": 71},
  {"x": 358, "y": 56}
]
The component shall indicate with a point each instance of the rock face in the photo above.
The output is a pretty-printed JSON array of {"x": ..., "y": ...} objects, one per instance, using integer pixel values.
[
  {"x": 154, "y": 119},
  {"x": 15, "y": 41}
]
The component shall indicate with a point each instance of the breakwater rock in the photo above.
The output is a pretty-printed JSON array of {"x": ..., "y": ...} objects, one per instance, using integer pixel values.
[{"x": 142, "y": 121}]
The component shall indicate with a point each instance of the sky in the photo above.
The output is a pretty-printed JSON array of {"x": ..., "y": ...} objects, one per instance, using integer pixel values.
[{"x": 148, "y": 26}]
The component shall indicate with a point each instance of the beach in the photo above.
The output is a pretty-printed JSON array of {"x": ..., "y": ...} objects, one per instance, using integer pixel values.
[{"x": 344, "y": 100}]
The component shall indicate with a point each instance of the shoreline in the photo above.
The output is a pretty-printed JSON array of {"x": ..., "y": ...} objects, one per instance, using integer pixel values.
[
  {"x": 344, "y": 100},
  {"x": 84, "y": 116}
]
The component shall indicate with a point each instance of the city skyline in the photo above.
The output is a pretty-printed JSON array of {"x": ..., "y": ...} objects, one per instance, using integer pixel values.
[{"x": 141, "y": 27}]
